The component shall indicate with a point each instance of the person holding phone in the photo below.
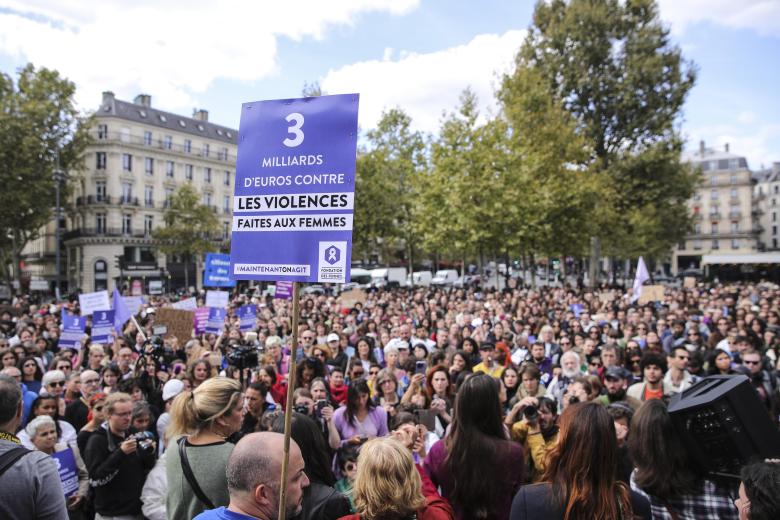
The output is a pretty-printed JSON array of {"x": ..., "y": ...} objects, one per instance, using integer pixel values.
[{"x": 359, "y": 419}]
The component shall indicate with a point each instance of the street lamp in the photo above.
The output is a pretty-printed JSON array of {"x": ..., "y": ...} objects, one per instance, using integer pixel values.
[{"x": 59, "y": 177}]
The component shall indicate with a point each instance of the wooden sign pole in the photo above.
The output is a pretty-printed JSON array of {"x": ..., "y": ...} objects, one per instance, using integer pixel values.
[{"x": 288, "y": 410}]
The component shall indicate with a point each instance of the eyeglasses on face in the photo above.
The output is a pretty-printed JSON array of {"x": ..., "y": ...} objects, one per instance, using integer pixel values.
[
  {"x": 56, "y": 383},
  {"x": 89, "y": 381},
  {"x": 749, "y": 362},
  {"x": 373, "y": 372}
]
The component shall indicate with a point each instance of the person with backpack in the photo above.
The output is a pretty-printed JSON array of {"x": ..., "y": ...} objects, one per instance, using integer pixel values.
[{"x": 29, "y": 481}]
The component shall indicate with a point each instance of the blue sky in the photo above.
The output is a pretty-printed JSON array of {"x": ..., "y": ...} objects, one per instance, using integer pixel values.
[{"x": 416, "y": 54}]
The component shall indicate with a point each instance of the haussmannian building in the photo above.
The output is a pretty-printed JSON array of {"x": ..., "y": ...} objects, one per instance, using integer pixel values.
[
  {"x": 139, "y": 157},
  {"x": 725, "y": 216}
]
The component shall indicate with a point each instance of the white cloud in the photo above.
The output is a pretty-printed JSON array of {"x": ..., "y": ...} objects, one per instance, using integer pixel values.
[
  {"x": 761, "y": 16},
  {"x": 174, "y": 49},
  {"x": 425, "y": 85},
  {"x": 756, "y": 142}
]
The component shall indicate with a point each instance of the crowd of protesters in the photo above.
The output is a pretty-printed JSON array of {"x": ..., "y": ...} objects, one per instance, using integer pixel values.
[{"x": 412, "y": 403}]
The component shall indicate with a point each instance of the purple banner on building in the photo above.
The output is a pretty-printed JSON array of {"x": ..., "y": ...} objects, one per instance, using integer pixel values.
[{"x": 295, "y": 190}]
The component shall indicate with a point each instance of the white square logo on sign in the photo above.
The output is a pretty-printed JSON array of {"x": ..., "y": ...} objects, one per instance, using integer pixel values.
[{"x": 332, "y": 262}]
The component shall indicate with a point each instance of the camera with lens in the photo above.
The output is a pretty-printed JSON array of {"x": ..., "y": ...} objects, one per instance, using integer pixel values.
[
  {"x": 531, "y": 413},
  {"x": 243, "y": 356},
  {"x": 145, "y": 440},
  {"x": 155, "y": 347},
  {"x": 301, "y": 408}
]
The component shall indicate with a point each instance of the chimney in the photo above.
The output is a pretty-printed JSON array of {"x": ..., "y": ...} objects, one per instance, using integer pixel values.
[
  {"x": 701, "y": 147},
  {"x": 726, "y": 147},
  {"x": 200, "y": 114},
  {"x": 145, "y": 100},
  {"x": 108, "y": 97}
]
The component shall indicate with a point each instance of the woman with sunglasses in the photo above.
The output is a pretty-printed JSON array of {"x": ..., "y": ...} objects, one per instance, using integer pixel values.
[
  {"x": 31, "y": 373},
  {"x": 94, "y": 420}
]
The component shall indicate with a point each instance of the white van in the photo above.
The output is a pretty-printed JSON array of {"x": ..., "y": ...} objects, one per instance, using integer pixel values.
[
  {"x": 388, "y": 277},
  {"x": 445, "y": 277},
  {"x": 419, "y": 279}
]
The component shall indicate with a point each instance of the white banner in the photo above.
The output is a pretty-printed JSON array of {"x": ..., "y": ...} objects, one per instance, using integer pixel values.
[
  {"x": 217, "y": 299},
  {"x": 94, "y": 301}
]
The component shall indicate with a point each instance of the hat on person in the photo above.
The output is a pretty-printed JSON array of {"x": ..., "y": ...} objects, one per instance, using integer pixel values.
[
  {"x": 171, "y": 389},
  {"x": 616, "y": 372},
  {"x": 332, "y": 337}
]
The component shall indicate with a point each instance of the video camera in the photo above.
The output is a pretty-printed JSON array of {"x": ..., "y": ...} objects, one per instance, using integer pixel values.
[
  {"x": 243, "y": 356},
  {"x": 155, "y": 347}
]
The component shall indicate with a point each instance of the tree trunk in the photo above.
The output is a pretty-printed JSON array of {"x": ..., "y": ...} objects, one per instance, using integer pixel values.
[
  {"x": 532, "y": 261},
  {"x": 593, "y": 268},
  {"x": 187, "y": 273}
]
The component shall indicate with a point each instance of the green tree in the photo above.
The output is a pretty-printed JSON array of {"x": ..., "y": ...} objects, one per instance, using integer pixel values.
[
  {"x": 190, "y": 227},
  {"x": 386, "y": 184},
  {"x": 462, "y": 201},
  {"x": 613, "y": 67},
  {"x": 40, "y": 130},
  {"x": 556, "y": 194}
]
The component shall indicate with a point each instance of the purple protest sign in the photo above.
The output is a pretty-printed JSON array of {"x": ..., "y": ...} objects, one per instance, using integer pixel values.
[
  {"x": 283, "y": 290},
  {"x": 216, "y": 320},
  {"x": 201, "y": 317},
  {"x": 295, "y": 190}
]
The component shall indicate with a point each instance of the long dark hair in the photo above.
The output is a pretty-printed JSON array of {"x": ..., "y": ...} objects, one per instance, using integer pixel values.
[
  {"x": 359, "y": 386},
  {"x": 581, "y": 466},
  {"x": 36, "y": 402},
  {"x": 38, "y": 372},
  {"x": 474, "y": 446},
  {"x": 663, "y": 468},
  {"x": 305, "y": 432}
]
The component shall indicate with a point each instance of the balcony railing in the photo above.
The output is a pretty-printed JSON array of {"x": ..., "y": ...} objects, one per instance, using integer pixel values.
[
  {"x": 161, "y": 144},
  {"x": 105, "y": 232}
]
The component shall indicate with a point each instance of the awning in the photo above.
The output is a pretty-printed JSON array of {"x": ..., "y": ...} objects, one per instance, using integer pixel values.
[{"x": 749, "y": 258}]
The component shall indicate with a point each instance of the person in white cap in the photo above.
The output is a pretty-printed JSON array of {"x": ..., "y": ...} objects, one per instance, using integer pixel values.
[{"x": 170, "y": 390}]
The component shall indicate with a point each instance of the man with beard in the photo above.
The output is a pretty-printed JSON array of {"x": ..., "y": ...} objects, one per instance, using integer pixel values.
[
  {"x": 616, "y": 380},
  {"x": 570, "y": 368},
  {"x": 653, "y": 367},
  {"x": 538, "y": 358},
  {"x": 537, "y": 431},
  {"x": 677, "y": 337},
  {"x": 253, "y": 480}
]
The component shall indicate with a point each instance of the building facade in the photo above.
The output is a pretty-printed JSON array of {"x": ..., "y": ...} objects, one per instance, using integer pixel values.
[
  {"x": 140, "y": 156},
  {"x": 723, "y": 209},
  {"x": 767, "y": 197}
]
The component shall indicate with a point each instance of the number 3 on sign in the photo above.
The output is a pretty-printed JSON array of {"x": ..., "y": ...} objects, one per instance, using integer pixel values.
[{"x": 295, "y": 130}]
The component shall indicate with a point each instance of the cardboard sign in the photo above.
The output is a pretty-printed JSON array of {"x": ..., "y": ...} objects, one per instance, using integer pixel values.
[
  {"x": 689, "y": 282},
  {"x": 651, "y": 293},
  {"x": 217, "y": 299},
  {"x": 66, "y": 467},
  {"x": 179, "y": 323},
  {"x": 94, "y": 301},
  {"x": 295, "y": 190},
  {"x": 350, "y": 298}
]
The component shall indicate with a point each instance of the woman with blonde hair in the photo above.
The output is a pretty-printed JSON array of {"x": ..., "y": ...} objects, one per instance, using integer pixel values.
[
  {"x": 201, "y": 421},
  {"x": 388, "y": 486}
]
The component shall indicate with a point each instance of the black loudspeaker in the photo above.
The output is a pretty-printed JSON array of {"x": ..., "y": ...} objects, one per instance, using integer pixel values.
[{"x": 724, "y": 424}]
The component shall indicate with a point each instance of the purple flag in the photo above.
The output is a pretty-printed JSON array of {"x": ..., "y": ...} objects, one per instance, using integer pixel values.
[{"x": 121, "y": 312}]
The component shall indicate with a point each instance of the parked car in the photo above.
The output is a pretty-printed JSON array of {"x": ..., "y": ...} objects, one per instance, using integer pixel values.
[{"x": 388, "y": 277}]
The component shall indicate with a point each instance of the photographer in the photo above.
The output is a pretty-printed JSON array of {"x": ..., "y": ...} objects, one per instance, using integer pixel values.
[
  {"x": 118, "y": 462},
  {"x": 321, "y": 411},
  {"x": 537, "y": 431}
]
